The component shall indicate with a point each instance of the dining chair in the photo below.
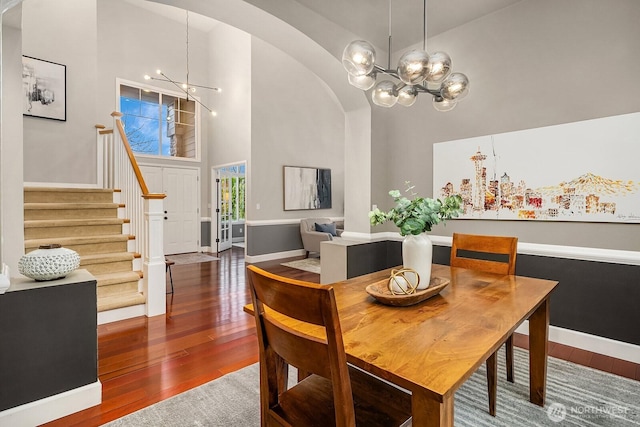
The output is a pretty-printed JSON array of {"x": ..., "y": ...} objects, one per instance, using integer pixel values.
[
  {"x": 329, "y": 392},
  {"x": 490, "y": 254}
]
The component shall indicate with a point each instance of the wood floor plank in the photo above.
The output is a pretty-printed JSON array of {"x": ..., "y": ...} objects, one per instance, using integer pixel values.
[
  {"x": 624, "y": 368},
  {"x": 204, "y": 335}
]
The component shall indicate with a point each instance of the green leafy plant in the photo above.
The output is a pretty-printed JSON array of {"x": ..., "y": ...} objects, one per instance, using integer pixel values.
[{"x": 419, "y": 214}]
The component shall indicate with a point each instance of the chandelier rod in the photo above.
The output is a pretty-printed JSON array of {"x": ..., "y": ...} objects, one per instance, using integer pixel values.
[
  {"x": 186, "y": 91},
  {"x": 424, "y": 25},
  {"x": 389, "y": 52}
]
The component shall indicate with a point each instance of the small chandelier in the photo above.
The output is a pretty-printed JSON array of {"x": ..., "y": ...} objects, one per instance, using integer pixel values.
[
  {"x": 417, "y": 72},
  {"x": 186, "y": 87}
]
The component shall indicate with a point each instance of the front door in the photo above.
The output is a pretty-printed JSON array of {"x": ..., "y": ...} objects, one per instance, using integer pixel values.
[
  {"x": 181, "y": 225},
  {"x": 181, "y": 212}
]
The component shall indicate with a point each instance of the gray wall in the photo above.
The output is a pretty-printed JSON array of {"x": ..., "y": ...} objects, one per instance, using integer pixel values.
[
  {"x": 536, "y": 63},
  {"x": 65, "y": 33},
  {"x": 295, "y": 121},
  {"x": 11, "y": 202},
  {"x": 230, "y": 133}
]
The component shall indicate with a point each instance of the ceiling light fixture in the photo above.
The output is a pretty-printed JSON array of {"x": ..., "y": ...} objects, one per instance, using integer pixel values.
[
  {"x": 186, "y": 87},
  {"x": 417, "y": 72}
]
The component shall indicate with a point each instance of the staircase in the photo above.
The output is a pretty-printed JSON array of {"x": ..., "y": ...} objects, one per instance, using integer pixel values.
[{"x": 86, "y": 220}]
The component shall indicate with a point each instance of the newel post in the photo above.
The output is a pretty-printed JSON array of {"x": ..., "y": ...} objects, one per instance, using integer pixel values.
[{"x": 154, "y": 280}]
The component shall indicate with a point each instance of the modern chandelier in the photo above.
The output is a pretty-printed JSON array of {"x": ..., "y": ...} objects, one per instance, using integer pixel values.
[
  {"x": 186, "y": 87},
  {"x": 417, "y": 72}
]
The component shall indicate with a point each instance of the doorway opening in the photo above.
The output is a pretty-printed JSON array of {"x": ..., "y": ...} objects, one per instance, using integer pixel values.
[{"x": 228, "y": 216}]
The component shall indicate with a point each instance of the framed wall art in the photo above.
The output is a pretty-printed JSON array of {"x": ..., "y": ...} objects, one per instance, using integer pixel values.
[
  {"x": 584, "y": 171},
  {"x": 44, "y": 86},
  {"x": 306, "y": 188}
]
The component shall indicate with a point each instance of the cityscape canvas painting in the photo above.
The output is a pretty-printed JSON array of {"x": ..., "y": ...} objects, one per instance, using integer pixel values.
[
  {"x": 44, "y": 88},
  {"x": 582, "y": 171},
  {"x": 306, "y": 188}
]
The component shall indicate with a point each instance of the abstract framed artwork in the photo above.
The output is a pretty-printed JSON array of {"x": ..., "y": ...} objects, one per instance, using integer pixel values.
[
  {"x": 306, "y": 188},
  {"x": 583, "y": 171},
  {"x": 44, "y": 86}
]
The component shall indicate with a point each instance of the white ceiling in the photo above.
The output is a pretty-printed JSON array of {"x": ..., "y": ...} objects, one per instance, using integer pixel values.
[{"x": 370, "y": 18}]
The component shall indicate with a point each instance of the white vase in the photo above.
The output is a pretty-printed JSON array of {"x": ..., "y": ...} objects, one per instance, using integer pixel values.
[
  {"x": 417, "y": 253},
  {"x": 49, "y": 262}
]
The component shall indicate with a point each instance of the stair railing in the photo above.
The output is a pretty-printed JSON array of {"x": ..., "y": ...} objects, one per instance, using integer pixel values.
[{"x": 117, "y": 168}]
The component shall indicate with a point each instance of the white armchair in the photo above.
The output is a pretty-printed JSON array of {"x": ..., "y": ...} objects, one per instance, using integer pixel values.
[{"x": 311, "y": 238}]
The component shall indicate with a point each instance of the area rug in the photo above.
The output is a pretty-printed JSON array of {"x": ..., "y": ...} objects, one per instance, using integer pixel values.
[
  {"x": 308, "y": 264},
  {"x": 576, "y": 396},
  {"x": 191, "y": 258}
]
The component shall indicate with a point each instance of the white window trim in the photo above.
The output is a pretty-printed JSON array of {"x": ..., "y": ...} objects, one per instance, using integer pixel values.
[{"x": 176, "y": 94}]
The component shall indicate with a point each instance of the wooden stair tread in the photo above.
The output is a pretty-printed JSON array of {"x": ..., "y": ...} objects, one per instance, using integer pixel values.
[
  {"x": 112, "y": 302},
  {"x": 118, "y": 277},
  {"x": 72, "y": 222},
  {"x": 71, "y": 205},
  {"x": 68, "y": 190},
  {"x": 108, "y": 257},
  {"x": 79, "y": 240}
]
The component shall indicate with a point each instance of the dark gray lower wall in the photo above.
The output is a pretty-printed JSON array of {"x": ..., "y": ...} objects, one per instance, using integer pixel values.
[
  {"x": 205, "y": 233},
  {"x": 596, "y": 298},
  {"x": 266, "y": 239},
  {"x": 373, "y": 256},
  {"x": 237, "y": 230},
  {"x": 49, "y": 341}
]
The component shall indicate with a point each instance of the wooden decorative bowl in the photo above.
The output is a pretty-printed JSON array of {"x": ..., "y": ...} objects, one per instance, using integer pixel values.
[{"x": 380, "y": 291}]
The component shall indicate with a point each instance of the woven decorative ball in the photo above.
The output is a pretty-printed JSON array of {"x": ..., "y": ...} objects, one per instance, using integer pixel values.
[
  {"x": 403, "y": 281},
  {"x": 49, "y": 262}
]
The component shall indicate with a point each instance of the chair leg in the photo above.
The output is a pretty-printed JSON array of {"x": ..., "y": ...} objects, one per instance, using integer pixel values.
[
  {"x": 307, "y": 256},
  {"x": 509, "y": 349},
  {"x": 168, "y": 268},
  {"x": 492, "y": 382}
]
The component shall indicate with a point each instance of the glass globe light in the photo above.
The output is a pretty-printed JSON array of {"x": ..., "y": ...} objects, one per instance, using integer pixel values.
[
  {"x": 442, "y": 104},
  {"x": 358, "y": 58},
  {"x": 407, "y": 96},
  {"x": 413, "y": 66},
  {"x": 439, "y": 67},
  {"x": 363, "y": 82},
  {"x": 456, "y": 86},
  {"x": 383, "y": 94}
]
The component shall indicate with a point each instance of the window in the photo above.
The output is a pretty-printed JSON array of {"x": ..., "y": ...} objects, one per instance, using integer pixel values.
[
  {"x": 233, "y": 177},
  {"x": 159, "y": 123},
  {"x": 237, "y": 201}
]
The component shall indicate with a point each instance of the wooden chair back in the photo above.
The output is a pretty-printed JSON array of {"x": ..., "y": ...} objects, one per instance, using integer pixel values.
[
  {"x": 503, "y": 246},
  {"x": 311, "y": 304},
  {"x": 329, "y": 392},
  {"x": 484, "y": 247}
]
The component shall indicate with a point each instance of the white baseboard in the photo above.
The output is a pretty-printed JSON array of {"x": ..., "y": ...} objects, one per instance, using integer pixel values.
[
  {"x": 250, "y": 259},
  {"x": 594, "y": 343},
  {"x": 53, "y": 407},
  {"x": 121, "y": 314}
]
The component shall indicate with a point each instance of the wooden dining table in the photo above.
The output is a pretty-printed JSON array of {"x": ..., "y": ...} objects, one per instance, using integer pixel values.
[{"x": 433, "y": 347}]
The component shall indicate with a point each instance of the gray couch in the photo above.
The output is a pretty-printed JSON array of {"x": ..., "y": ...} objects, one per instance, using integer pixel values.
[{"x": 311, "y": 238}]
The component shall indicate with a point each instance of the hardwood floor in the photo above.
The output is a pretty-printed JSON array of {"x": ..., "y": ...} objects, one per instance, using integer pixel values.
[{"x": 204, "y": 335}]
